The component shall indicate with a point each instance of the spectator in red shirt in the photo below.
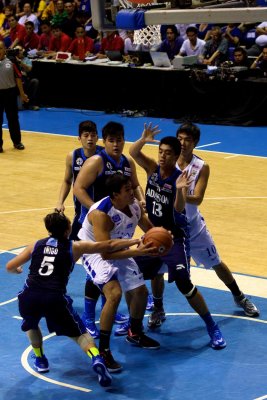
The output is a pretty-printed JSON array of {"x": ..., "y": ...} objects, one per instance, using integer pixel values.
[
  {"x": 112, "y": 41},
  {"x": 59, "y": 41},
  {"x": 17, "y": 32},
  {"x": 31, "y": 40},
  {"x": 45, "y": 36},
  {"x": 82, "y": 46}
]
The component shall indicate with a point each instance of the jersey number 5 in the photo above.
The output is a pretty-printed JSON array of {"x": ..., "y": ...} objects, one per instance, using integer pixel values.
[{"x": 47, "y": 266}]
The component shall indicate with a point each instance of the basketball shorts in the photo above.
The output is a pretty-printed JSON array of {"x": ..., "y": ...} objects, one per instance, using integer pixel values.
[
  {"x": 149, "y": 266},
  {"x": 56, "y": 308},
  {"x": 177, "y": 261},
  {"x": 203, "y": 250},
  {"x": 101, "y": 271}
]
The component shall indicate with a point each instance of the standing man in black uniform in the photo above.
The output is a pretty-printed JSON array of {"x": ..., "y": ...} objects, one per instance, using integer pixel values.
[{"x": 10, "y": 80}]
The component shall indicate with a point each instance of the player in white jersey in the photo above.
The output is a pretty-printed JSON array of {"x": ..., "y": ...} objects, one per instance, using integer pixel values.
[
  {"x": 116, "y": 216},
  {"x": 202, "y": 247}
]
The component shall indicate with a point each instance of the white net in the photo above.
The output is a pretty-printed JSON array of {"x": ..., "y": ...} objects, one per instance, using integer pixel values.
[{"x": 149, "y": 36}]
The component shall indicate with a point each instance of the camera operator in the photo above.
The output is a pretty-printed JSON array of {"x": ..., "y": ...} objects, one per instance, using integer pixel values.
[
  {"x": 10, "y": 80},
  {"x": 30, "y": 84}
]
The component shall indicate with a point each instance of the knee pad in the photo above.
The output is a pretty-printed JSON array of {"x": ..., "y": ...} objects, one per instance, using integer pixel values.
[
  {"x": 186, "y": 287},
  {"x": 91, "y": 291}
]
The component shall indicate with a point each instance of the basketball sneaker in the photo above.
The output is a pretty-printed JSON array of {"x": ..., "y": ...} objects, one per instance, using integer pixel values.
[
  {"x": 104, "y": 377},
  {"x": 150, "y": 303},
  {"x": 110, "y": 363},
  {"x": 142, "y": 340},
  {"x": 121, "y": 318},
  {"x": 41, "y": 364},
  {"x": 217, "y": 341},
  {"x": 122, "y": 330},
  {"x": 156, "y": 318},
  {"x": 249, "y": 308},
  {"x": 91, "y": 327}
]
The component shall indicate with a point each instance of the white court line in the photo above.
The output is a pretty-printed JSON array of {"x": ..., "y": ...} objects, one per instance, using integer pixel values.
[
  {"x": 207, "y": 145},
  {"x": 30, "y": 209},
  {"x": 25, "y": 354},
  {"x": 24, "y": 362},
  {"x": 151, "y": 144},
  {"x": 206, "y": 198},
  {"x": 232, "y": 156},
  {"x": 236, "y": 198},
  {"x": 8, "y": 301}
]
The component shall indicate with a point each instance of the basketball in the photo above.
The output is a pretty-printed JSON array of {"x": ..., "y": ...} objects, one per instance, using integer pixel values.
[{"x": 160, "y": 238}]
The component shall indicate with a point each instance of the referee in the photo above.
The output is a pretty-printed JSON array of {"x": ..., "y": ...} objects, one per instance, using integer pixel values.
[{"x": 10, "y": 80}]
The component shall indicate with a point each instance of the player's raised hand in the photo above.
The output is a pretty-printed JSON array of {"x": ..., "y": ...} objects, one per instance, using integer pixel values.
[
  {"x": 184, "y": 180},
  {"x": 149, "y": 132}
]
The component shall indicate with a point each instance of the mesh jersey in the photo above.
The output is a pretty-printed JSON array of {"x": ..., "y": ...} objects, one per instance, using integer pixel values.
[
  {"x": 160, "y": 196},
  {"x": 78, "y": 159},
  {"x": 124, "y": 225},
  {"x": 196, "y": 221},
  {"x": 51, "y": 264},
  {"x": 98, "y": 191}
]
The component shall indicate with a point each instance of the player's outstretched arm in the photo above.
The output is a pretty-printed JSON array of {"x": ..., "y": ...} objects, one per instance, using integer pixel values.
[
  {"x": 201, "y": 186},
  {"x": 107, "y": 246},
  {"x": 15, "y": 265},
  {"x": 66, "y": 184},
  {"x": 147, "y": 163}
]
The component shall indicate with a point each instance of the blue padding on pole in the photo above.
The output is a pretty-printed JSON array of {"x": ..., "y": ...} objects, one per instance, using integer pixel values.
[{"x": 130, "y": 19}]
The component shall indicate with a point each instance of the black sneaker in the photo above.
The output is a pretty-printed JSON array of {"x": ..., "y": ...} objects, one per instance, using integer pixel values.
[
  {"x": 156, "y": 318},
  {"x": 142, "y": 340},
  {"x": 19, "y": 146},
  {"x": 110, "y": 363}
]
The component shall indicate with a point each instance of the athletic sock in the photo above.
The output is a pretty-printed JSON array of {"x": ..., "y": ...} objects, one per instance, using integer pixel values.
[
  {"x": 136, "y": 325},
  {"x": 89, "y": 309},
  {"x": 234, "y": 289},
  {"x": 209, "y": 321},
  {"x": 158, "y": 302},
  {"x": 38, "y": 351},
  {"x": 93, "y": 352},
  {"x": 104, "y": 340}
]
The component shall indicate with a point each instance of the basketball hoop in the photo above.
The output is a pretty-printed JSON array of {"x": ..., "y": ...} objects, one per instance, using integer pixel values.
[{"x": 149, "y": 36}]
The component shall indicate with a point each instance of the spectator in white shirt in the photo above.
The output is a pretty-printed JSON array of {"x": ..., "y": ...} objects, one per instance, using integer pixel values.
[
  {"x": 29, "y": 16},
  {"x": 192, "y": 46}
]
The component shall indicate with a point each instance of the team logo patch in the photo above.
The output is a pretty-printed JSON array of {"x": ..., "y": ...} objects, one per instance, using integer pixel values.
[
  {"x": 116, "y": 218},
  {"x": 109, "y": 166},
  {"x": 79, "y": 161}
]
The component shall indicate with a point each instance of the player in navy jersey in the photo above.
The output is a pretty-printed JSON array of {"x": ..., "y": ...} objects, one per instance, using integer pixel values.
[
  {"x": 75, "y": 159},
  {"x": 202, "y": 246},
  {"x": 165, "y": 201},
  {"x": 90, "y": 187},
  {"x": 44, "y": 294}
]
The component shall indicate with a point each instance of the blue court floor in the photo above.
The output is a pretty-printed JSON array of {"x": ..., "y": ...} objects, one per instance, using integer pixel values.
[{"x": 185, "y": 367}]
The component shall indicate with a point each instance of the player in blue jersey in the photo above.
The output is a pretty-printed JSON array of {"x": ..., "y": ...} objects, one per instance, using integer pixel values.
[
  {"x": 75, "y": 159},
  {"x": 44, "y": 294},
  {"x": 165, "y": 203},
  {"x": 202, "y": 247},
  {"x": 116, "y": 216},
  {"x": 90, "y": 187},
  {"x": 88, "y": 137}
]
